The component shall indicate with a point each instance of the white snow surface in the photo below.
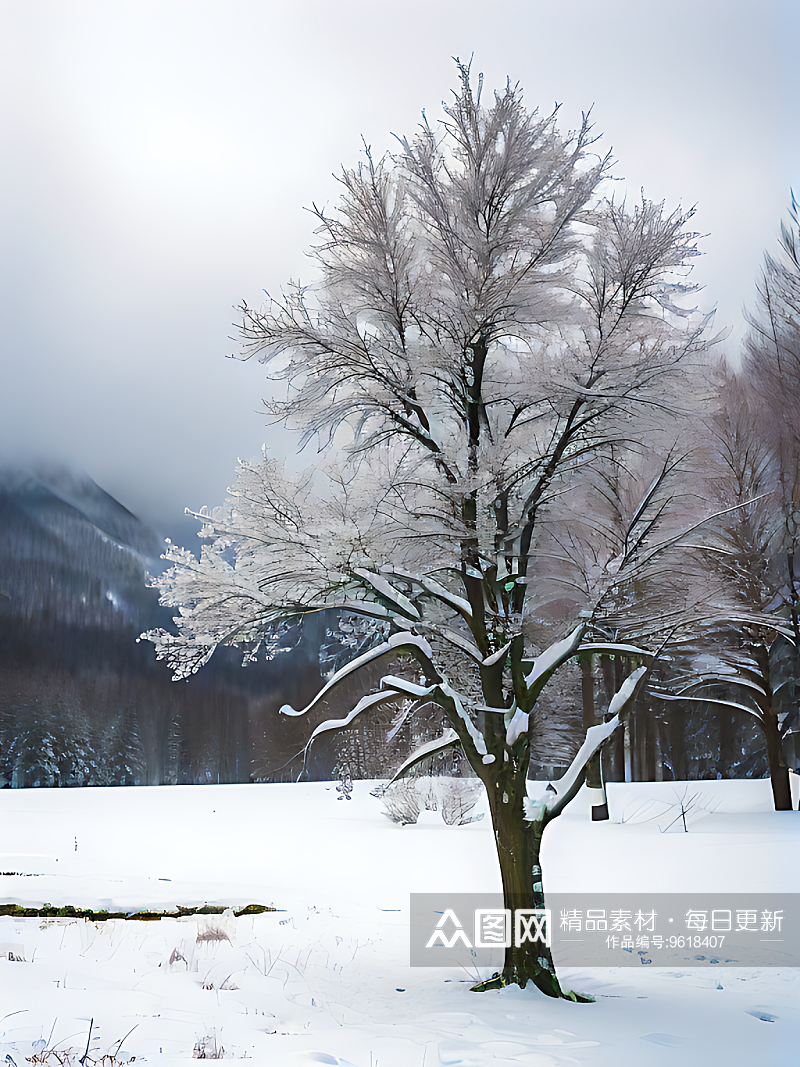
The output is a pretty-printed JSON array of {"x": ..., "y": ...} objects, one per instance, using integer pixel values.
[{"x": 326, "y": 979}]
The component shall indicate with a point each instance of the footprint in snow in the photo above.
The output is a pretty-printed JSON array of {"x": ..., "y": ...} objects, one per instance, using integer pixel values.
[{"x": 670, "y": 1040}]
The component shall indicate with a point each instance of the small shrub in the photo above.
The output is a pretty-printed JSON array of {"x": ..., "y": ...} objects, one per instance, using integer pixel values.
[
  {"x": 208, "y": 1049},
  {"x": 457, "y": 798},
  {"x": 453, "y": 797},
  {"x": 400, "y": 801}
]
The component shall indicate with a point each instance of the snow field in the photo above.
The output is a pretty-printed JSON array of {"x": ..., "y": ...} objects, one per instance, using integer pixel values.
[{"x": 326, "y": 978}]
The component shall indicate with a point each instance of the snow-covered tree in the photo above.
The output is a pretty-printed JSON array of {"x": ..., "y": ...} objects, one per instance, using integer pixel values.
[
  {"x": 749, "y": 661},
  {"x": 772, "y": 364},
  {"x": 617, "y": 520},
  {"x": 772, "y": 367},
  {"x": 485, "y": 325},
  {"x": 743, "y": 658}
]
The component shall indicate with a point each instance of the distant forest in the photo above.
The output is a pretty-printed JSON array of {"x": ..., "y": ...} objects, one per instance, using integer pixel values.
[{"x": 82, "y": 703}]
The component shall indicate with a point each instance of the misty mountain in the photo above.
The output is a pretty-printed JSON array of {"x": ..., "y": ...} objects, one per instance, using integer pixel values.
[
  {"x": 81, "y": 702},
  {"x": 72, "y": 555}
]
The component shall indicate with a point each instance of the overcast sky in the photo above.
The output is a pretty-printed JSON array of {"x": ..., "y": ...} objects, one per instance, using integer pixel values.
[{"x": 158, "y": 155}]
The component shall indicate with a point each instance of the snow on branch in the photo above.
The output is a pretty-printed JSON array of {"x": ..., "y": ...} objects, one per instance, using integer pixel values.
[
  {"x": 449, "y": 739},
  {"x": 731, "y": 704},
  {"x": 366, "y": 703},
  {"x": 619, "y": 708},
  {"x": 400, "y": 602},
  {"x": 436, "y": 590},
  {"x": 397, "y": 643},
  {"x": 546, "y": 664}
]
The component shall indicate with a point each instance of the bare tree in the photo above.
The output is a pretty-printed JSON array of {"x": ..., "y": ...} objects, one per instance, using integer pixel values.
[
  {"x": 484, "y": 326},
  {"x": 742, "y": 648},
  {"x": 772, "y": 365},
  {"x": 604, "y": 544}
]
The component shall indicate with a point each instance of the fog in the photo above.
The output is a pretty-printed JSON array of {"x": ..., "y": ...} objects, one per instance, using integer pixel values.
[{"x": 159, "y": 155}]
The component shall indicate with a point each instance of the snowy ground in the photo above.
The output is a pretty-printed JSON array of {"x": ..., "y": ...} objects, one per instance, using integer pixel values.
[{"x": 326, "y": 980}]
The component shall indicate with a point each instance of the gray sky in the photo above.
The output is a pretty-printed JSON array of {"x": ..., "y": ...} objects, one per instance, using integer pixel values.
[{"x": 159, "y": 153}]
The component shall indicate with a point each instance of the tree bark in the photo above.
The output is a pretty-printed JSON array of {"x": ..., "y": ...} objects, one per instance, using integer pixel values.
[
  {"x": 614, "y": 749},
  {"x": 642, "y": 719},
  {"x": 676, "y": 729},
  {"x": 518, "y": 848},
  {"x": 778, "y": 770},
  {"x": 728, "y": 737},
  {"x": 594, "y": 768}
]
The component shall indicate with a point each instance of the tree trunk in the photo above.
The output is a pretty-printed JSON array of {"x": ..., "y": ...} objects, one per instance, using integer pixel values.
[
  {"x": 594, "y": 768},
  {"x": 614, "y": 749},
  {"x": 778, "y": 771},
  {"x": 518, "y": 847},
  {"x": 676, "y": 729},
  {"x": 729, "y": 750},
  {"x": 642, "y": 720}
]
